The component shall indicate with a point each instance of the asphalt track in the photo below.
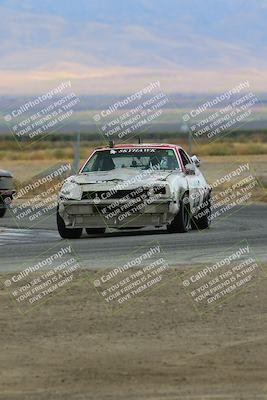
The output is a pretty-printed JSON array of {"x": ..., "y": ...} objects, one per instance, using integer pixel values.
[{"x": 19, "y": 246}]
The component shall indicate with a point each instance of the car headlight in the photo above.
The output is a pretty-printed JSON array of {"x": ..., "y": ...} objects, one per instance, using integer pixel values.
[
  {"x": 70, "y": 191},
  {"x": 157, "y": 190}
]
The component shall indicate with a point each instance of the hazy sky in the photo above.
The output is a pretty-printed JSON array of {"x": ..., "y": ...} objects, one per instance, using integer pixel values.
[{"x": 118, "y": 46}]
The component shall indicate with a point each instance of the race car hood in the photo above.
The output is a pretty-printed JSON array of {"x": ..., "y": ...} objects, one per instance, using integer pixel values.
[
  {"x": 5, "y": 174},
  {"x": 120, "y": 175}
]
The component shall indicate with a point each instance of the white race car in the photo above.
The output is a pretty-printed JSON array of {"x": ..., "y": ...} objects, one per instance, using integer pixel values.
[{"x": 134, "y": 186}]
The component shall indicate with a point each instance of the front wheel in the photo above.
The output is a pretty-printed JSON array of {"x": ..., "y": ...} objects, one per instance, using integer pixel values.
[
  {"x": 202, "y": 220},
  {"x": 67, "y": 233},
  {"x": 182, "y": 221}
]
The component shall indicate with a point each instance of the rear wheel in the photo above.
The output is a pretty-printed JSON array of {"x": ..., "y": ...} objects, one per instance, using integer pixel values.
[
  {"x": 2, "y": 209},
  {"x": 67, "y": 233},
  {"x": 182, "y": 221},
  {"x": 91, "y": 231}
]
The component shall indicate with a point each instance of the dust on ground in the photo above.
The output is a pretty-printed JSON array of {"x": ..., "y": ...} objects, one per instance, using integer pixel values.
[{"x": 158, "y": 347}]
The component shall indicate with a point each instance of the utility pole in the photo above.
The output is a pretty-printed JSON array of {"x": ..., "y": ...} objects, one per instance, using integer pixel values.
[
  {"x": 190, "y": 143},
  {"x": 77, "y": 154},
  {"x": 185, "y": 128}
]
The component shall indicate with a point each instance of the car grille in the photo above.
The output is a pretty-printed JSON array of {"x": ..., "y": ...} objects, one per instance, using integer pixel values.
[{"x": 109, "y": 195}]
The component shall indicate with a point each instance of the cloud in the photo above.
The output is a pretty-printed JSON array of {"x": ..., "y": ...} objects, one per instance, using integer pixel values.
[
  {"x": 120, "y": 80},
  {"x": 39, "y": 49}
]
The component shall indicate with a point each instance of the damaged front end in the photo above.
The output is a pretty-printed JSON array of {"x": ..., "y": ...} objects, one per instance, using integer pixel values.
[{"x": 112, "y": 204}]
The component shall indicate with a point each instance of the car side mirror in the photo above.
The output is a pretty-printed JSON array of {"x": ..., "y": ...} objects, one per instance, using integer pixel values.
[
  {"x": 195, "y": 160},
  {"x": 190, "y": 169}
]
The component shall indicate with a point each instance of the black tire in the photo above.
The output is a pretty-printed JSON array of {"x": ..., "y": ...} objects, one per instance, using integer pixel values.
[
  {"x": 182, "y": 221},
  {"x": 67, "y": 233},
  {"x": 2, "y": 211},
  {"x": 92, "y": 231},
  {"x": 202, "y": 220}
]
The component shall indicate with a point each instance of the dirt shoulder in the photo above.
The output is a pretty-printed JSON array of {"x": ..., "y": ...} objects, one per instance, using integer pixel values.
[{"x": 158, "y": 347}]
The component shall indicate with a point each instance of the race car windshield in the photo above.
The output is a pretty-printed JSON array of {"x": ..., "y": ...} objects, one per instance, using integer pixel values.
[{"x": 133, "y": 158}]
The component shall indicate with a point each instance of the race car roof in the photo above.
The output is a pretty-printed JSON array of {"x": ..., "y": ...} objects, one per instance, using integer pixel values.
[{"x": 127, "y": 146}]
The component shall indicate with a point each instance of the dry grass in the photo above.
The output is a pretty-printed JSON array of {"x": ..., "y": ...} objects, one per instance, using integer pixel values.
[
  {"x": 59, "y": 150},
  {"x": 232, "y": 148},
  {"x": 42, "y": 151}
]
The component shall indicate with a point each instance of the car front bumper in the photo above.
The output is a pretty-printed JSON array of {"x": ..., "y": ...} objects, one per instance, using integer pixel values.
[{"x": 89, "y": 214}]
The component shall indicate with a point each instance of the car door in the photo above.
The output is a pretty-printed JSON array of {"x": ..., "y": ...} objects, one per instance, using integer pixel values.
[{"x": 194, "y": 181}]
